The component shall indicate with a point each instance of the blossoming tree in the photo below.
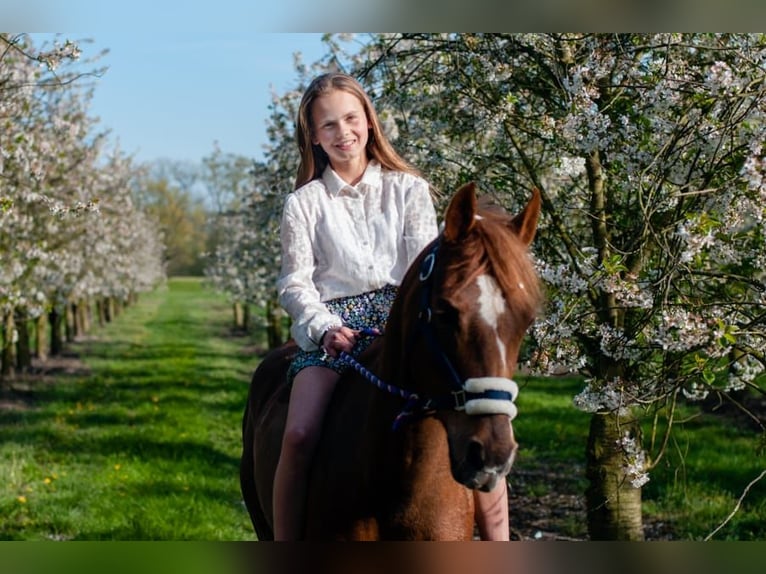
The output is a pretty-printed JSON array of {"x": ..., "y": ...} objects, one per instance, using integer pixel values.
[{"x": 68, "y": 228}]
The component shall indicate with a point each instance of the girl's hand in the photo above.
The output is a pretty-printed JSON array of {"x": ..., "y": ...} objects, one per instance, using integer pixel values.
[{"x": 338, "y": 339}]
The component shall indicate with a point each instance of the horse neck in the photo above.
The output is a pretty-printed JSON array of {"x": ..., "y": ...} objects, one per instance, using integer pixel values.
[
  {"x": 394, "y": 362},
  {"x": 407, "y": 458},
  {"x": 412, "y": 479},
  {"x": 393, "y": 359}
]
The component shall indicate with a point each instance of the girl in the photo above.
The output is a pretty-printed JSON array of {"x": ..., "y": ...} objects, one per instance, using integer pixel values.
[{"x": 358, "y": 217}]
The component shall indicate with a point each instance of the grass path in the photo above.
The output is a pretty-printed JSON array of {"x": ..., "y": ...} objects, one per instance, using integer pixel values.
[{"x": 146, "y": 446}]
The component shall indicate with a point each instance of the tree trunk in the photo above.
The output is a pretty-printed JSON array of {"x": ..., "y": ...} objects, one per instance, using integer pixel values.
[
  {"x": 274, "y": 330},
  {"x": 239, "y": 315},
  {"x": 70, "y": 328},
  {"x": 23, "y": 351},
  {"x": 101, "y": 310},
  {"x": 41, "y": 348},
  {"x": 117, "y": 307},
  {"x": 614, "y": 505},
  {"x": 246, "y": 317},
  {"x": 108, "y": 309},
  {"x": 6, "y": 357},
  {"x": 55, "y": 321},
  {"x": 82, "y": 319}
]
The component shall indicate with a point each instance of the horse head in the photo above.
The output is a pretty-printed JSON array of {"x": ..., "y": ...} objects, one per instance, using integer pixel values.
[{"x": 466, "y": 304}]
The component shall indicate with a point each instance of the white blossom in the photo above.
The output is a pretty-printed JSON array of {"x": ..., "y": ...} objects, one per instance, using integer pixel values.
[
  {"x": 603, "y": 397},
  {"x": 635, "y": 460}
]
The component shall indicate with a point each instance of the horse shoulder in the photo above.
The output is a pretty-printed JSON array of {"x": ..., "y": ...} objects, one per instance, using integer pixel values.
[{"x": 349, "y": 473}]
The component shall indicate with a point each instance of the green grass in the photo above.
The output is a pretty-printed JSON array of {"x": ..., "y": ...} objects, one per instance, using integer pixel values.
[
  {"x": 709, "y": 463},
  {"x": 548, "y": 426},
  {"x": 692, "y": 490},
  {"x": 549, "y": 469},
  {"x": 147, "y": 446}
]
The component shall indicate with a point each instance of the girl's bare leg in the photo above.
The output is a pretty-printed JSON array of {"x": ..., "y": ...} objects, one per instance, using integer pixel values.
[
  {"x": 491, "y": 513},
  {"x": 310, "y": 395}
]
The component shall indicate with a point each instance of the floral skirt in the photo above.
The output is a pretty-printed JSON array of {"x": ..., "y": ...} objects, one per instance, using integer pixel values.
[{"x": 368, "y": 310}]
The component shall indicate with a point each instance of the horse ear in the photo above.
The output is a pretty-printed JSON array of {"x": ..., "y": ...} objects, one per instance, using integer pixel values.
[
  {"x": 461, "y": 212},
  {"x": 525, "y": 223}
]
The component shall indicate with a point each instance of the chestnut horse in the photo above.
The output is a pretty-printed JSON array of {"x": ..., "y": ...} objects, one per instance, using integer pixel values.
[{"x": 442, "y": 372}]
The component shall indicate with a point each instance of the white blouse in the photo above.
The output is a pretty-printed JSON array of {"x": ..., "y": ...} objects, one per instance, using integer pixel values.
[{"x": 340, "y": 240}]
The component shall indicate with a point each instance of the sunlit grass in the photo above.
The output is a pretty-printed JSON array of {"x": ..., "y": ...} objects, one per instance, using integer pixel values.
[
  {"x": 147, "y": 446},
  {"x": 548, "y": 426}
]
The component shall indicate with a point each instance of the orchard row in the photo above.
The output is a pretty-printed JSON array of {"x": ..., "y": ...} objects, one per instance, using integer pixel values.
[{"x": 70, "y": 231}]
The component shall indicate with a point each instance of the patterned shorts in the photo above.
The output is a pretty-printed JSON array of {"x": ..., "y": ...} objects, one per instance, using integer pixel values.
[{"x": 357, "y": 312}]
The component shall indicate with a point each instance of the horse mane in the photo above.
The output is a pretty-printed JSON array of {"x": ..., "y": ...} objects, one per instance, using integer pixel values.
[{"x": 492, "y": 248}]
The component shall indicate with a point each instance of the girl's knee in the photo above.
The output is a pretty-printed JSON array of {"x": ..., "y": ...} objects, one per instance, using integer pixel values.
[{"x": 299, "y": 440}]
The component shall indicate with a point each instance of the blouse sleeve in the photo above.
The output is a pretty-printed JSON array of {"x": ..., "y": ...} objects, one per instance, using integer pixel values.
[
  {"x": 419, "y": 219},
  {"x": 298, "y": 294}
]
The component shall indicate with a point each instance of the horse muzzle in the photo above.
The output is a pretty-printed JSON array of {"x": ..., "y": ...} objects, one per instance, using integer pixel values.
[{"x": 481, "y": 468}]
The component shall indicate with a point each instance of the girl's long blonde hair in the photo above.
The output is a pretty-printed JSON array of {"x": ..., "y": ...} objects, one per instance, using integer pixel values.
[{"x": 313, "y": 158}]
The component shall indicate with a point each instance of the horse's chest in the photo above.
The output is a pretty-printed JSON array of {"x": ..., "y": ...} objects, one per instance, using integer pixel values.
[{"x": 438, "y": 510}]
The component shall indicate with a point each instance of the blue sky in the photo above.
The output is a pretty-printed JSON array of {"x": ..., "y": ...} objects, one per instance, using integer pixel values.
[
  {"x": 171, "y": 93},
  {"x": 175, "y": 84}
]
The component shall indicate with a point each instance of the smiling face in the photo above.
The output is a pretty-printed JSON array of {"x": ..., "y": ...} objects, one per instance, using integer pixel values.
[{"x": 341, "y": 127}]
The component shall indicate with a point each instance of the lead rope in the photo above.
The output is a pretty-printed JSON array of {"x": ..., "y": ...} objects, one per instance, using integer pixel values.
[{"x": 412, "y": 398}]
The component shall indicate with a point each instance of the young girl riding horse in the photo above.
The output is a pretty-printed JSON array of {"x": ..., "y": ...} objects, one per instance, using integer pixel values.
[{"x": 359, "y": 215}]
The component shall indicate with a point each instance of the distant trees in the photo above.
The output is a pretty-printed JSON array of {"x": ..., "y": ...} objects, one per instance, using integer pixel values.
[
  {"x": 245, "y": 259},
  {"x": 182, "y": 220},
  {"x": 230, "y": 267},
  {"x": 71, "y": 235}
]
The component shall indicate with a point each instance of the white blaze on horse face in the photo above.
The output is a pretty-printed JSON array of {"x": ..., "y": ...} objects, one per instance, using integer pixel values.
[{"x": 491, "y": 307}]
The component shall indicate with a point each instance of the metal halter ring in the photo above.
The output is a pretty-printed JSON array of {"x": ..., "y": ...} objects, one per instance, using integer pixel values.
[{"x": 427, "y": 266}]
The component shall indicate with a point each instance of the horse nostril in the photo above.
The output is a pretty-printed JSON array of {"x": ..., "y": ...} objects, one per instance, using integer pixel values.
[{"x": 475, "y": 455}]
